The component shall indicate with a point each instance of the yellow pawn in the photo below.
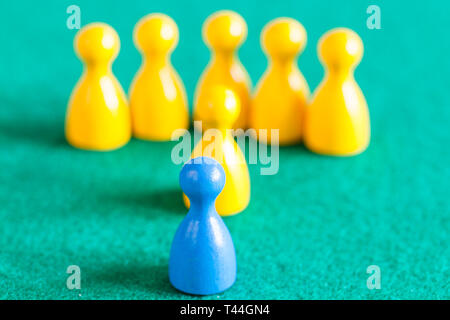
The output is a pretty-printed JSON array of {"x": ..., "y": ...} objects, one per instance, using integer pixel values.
[
  {"x": 98, "y": 117},
  {"x": 224, "y": 32},
  {"x": 281, "y": 94},
  {"x": 337, "y": 120},
  {"x": 157, "y": 95},
  {"x": 221, "y": 109}
]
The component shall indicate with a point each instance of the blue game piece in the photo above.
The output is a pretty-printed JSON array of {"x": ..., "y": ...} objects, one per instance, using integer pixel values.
[{"x": 202, "y": 258}]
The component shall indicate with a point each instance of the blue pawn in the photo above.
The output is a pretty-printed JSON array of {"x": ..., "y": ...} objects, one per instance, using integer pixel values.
[{"x": 202, "y": 258}]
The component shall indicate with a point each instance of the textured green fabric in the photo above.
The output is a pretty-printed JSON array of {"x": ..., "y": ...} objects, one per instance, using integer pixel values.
[{"x": 310, "y": 231}]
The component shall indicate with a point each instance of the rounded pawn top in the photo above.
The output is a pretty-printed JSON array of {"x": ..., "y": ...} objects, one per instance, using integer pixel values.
[
  {"x": 97, "y": 42},
  {"x": 340, "y": 48},
  {"x": 220, "y": 107},
  {"x": 225, "y": 30},
  {"x": 283, "y": 37},
  {"x": 202, "y": 177},
  {"x": 156, "y": 33}
]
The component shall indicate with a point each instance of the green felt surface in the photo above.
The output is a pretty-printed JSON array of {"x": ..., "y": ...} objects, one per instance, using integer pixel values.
[{"x": 310, "y": 231}]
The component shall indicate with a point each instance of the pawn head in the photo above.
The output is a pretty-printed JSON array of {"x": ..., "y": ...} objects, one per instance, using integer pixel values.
[
  {"x": 219, "y": 107},
  {"x": 283, "y": 37},
  {"x": 156, "y": 33},
  {"x": 202, "y": 177},
  {"x": 97, "y": 42},
  {"x": 340, "y": 48},
  {"x": 224, "y": 30}
]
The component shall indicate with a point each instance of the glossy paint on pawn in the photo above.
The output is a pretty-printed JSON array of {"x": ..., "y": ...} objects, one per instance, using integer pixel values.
[
  {"x": 98, "y": 116},
  {"x": 224, "y": 32},
  {"x": 337, "y": 119},
  {"x": 158, "y": 100},
  {"x": 220, "y": 107},
  {"x": 282, "y": 92}
]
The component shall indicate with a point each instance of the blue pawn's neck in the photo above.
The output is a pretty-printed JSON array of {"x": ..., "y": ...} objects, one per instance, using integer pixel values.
[{"x": 202, "y": 207}]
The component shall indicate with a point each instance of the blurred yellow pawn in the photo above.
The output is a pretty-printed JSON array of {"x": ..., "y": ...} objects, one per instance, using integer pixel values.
[
  {"x": 157, "y": 95},
  {"x": 220, "y": 111},
  {"x": 224, "y": 32},
  {"x": 97, "y": 116},
  {"x": 282, "y": 93},
  {"x": 337, "y": 120}
]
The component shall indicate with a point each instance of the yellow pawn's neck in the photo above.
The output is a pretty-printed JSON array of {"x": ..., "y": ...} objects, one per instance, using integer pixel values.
[
  {"x": 98, "y": 69},
  {"x": 339, "y": 74},
  {"x": 224, "y": 59},
  {"x": 158, "y": 61},
  {"x": 223, "y": 128},
  {"x": 283, "y": 65}
]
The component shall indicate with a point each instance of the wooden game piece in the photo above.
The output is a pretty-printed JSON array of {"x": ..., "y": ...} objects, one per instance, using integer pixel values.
[
  {"x": 202, "y": 258},
  {"x": 221, "y": 108},
  {"x": 224, "y": 32},
  {"x": 337, "y": 120},
  {"x": 157, "y": 95},
  {"x": 98, "y": 116},
  {"x": 282, "y": 92}
]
